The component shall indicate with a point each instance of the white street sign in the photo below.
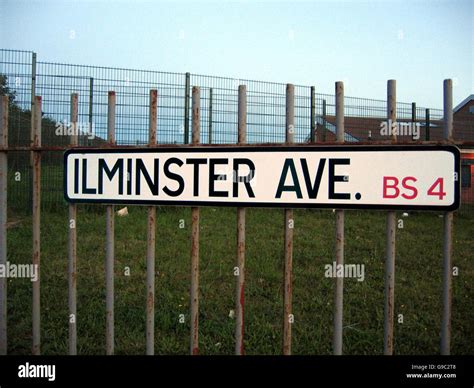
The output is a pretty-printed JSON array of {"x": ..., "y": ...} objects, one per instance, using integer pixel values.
[{"x": 379, "y": 177}]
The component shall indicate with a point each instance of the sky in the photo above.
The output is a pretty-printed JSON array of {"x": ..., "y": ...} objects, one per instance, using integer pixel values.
[{"x": 363, "y": 43}]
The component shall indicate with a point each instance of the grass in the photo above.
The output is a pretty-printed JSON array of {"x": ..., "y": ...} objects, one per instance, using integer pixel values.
[
  {"x": 417, "y": 293},
  {"x": 20, "y": 183}
]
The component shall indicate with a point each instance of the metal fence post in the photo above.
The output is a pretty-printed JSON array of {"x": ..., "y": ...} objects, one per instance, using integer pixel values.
[
  {"x": 110, "y": 236},
  {"x": 187, "y": 85},
  {"x": 339, "y": 289},
  {"x": 91, "y": 106},
  {"x": 448, "y": 232},
  {"x": 33, "y": 108},
  {"x": 413, "y": 118},
  {"x": 390, "y": 244},
  {"x": 210, "y": 115},
  {"x": 72, "y": 243},
  {"x": 36, "y": 226},
  {"x": 289, "y": 225},
  {"x": 4, "y": 105},
  {"x": 240, "y": 290},
  {"x": 195, "y": 215},
  {"x": 323, "y": 130},
  {"x": 427, "y": 124},
  {"x": 313, "y": 115},
  {"x": 151, "y": 231},
  {"x": 33, "y": 96}
]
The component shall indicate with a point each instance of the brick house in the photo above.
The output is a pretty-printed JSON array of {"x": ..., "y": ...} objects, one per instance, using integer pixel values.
[
  {"x": 463, "y": 128},
  {"x": 366, "y": 129}
]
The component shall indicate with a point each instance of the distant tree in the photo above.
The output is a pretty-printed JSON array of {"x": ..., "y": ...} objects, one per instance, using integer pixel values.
[
  {"x": 19, "y": 122},
  {"x": 5, "y": 90},
  {"x": 19, "y": 126}
]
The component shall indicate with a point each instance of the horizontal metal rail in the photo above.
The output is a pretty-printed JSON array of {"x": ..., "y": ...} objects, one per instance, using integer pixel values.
[{"x": 302, "y": 145}]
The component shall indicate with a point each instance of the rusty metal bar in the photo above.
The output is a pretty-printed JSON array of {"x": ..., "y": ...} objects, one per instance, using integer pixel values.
[
  {"x": 427, "y": 124},
  {"x": 4, "y": 102},
  {"x": 289, "y": 224},
  {"x": 324, "y": 130},
  {"x": 210, "y": 115},
  {"x": 33, "y": 97},
  {"x": 313, "y": 115},
  {"x": 151, "y": 231},
  {"x": 448, "y": 109},
  {"x": 390, "y": 244},
  {"x": 109, "y": 237},
  {"x": 106, "y": 146},
  {"x": 36, "y": 350},
  {"x": 72, "y": 243},
  {"x": 413, "y": 117},
  {"x": 187, "y": 85},
  {"x": 240, "y": 289},
  {"x": 195, "y": 215},
  {"x": 448, "y": 233},
  {"x": 339, "y": 289},
  {"x": 91, "y": 107}
]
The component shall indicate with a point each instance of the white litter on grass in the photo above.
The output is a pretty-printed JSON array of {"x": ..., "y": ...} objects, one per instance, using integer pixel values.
[
  {"x": 405, "y": 215},
  {"x": 231, "y": 314},
  {"x": 122, "y": 212}
]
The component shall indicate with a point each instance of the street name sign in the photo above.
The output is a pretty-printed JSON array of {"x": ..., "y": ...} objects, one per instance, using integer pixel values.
[{"x": 424, "y": 177}]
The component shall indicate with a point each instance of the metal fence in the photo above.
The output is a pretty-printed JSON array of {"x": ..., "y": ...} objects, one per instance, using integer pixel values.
[
  {"x": 243, "y": 119},
  {"x": 36, "y": 182},
  {"x": 27, "y": 76},
  {"x": 24, "y": 76}
]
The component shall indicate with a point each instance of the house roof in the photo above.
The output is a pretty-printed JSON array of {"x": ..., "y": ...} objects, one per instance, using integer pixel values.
[
  {"x": 464, "y": 102},
  {"x": 332, "y": 128}
]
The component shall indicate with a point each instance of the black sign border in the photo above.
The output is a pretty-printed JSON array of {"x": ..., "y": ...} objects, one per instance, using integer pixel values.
[{"x": 272, "y": 148}]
